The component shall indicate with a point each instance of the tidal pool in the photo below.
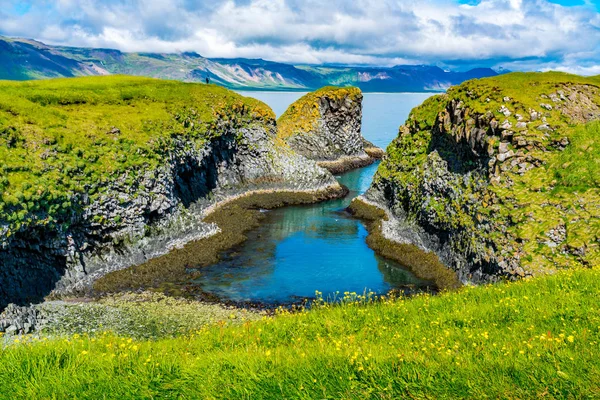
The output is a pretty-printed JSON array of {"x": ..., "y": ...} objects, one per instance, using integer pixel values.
[{"x": 302, "y": 249}]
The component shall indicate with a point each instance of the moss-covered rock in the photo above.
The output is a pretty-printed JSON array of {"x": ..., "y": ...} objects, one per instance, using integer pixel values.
[
  {"x": 500, "y": 176},
  {"x": 326, "y": 126},
  {"x": 97, "y": 174}
]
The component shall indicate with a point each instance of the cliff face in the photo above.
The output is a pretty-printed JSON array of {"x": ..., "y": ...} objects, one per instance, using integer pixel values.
[
  {"x": 499, "y": 176},
  {"x": 326, "y": 126},
  {"x": 146, "y": 188}
]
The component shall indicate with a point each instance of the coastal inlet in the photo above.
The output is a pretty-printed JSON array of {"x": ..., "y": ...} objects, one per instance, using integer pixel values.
[{"x": 297, "y": 250}]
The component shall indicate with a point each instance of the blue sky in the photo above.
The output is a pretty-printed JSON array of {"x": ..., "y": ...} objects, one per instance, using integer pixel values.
[{"x": 455, "y": 34}]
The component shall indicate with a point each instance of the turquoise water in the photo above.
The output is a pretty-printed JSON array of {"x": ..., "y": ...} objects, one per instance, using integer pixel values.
[{"x": 299, "y": 250}]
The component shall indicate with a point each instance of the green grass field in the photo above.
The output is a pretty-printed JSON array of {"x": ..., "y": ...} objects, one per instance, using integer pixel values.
[{"x": 537, "y": 338}]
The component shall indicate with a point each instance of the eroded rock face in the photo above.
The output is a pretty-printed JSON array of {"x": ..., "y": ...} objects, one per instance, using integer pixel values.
[
  {"x": 326, "y": 126},
  {"x": 474, "y": 182},
  {"x": 133, "y": 222}
]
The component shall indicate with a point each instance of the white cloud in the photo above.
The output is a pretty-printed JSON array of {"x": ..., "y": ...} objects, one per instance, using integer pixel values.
[{"x": 533, "y": 33}]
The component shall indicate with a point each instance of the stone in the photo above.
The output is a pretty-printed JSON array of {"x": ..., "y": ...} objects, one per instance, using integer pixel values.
[
  {"x": 543, "y": 127},
  {"x": 546, "y": 106},
  {"x": 493, "y": 125},
  {"x": 533, "y": 115},
  {"x": 503, "y": 148},
  {"x": 521, "y": 125},
  {"x": 333, "y": 138},
  {"x": 505, "y": 111}
]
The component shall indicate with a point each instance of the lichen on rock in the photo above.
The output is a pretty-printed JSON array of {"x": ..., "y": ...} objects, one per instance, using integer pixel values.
[
  {"x": 479, "y": 175},
  {"x": 325, "y": 126}
]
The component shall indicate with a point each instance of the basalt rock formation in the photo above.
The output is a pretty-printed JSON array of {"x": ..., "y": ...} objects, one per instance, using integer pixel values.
[
  {"x": 99, "y": 174},
  {"x": 499, "y": 177},
  {"x": 325, "y": 126}
]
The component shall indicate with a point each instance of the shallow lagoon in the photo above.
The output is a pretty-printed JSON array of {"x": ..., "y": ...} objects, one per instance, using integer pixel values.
[{"x": 299, "y": 250}]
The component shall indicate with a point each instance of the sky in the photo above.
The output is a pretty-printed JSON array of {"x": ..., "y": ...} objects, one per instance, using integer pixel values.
[{"x": 453, "y": 34}]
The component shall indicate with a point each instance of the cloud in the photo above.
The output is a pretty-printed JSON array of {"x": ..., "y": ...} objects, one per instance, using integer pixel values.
[{"x": 532, "y": 34}]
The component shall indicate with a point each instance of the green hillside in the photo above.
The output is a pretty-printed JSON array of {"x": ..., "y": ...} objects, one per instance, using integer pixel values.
[{"x": 536, "y": 338}]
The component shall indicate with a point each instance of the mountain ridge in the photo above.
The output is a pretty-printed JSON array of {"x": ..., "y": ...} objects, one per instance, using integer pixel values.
[{"x": 24, "y": 59}]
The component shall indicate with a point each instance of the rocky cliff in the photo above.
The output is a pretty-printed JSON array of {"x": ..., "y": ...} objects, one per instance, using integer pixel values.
[
  {"x": 99, "y": 174},
  {"x": 325, "y": 126},
  {"x": 499, "y": 177}
]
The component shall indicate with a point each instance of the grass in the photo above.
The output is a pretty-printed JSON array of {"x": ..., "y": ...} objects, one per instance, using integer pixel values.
[
  {"x": 536, "y": 338},
  {"x": 63, "y": 140},
  {"x": 578, "y": 167}
]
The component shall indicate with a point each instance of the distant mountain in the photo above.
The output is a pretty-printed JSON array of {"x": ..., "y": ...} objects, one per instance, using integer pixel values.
[{"x": 22, "y": 59}]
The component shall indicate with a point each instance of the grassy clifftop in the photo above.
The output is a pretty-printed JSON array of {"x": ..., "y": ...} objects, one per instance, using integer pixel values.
[
  {"x": 515, "y": 163},
  {"x": 67, "y": 137},
  {"x": 302, "y": 117}
]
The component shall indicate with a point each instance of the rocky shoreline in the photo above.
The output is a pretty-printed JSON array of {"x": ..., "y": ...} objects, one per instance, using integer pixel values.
[
  {"x": 389, "y": 238},
  {"x": 169, "y": 273},
  {"x": 142, "y": 215}
]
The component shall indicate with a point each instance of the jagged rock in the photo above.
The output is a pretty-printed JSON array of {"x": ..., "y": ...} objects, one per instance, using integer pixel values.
[
  {"x": 505, "y": 111},
  {"x": 325, "y": 126},
  {"x": 543, "y": 127},
  {"x": 507, "y": 135}
]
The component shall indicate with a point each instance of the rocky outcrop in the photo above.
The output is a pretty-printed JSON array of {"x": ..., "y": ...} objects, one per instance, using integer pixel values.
[
  {"x": 141, "y": 215},
  {"x": 17, "y": 320},
  {"x": 325, "y": 126},
  {"x": 475, "y": 176}
]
